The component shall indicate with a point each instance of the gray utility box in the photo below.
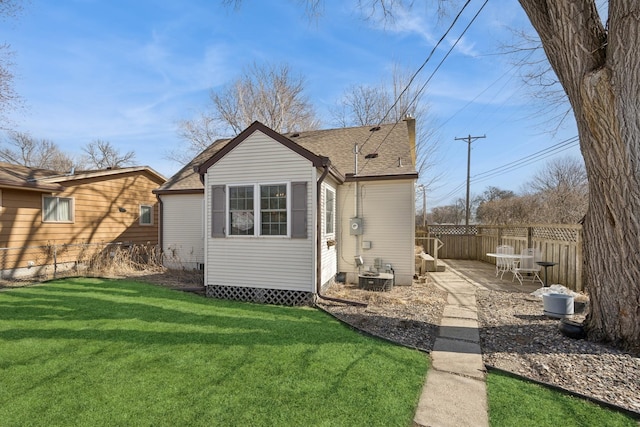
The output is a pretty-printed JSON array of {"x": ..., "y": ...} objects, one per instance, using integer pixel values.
[{"x": 355, "y": 226}]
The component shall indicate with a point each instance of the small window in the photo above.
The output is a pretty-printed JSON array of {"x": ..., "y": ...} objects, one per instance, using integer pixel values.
[
  {"x": 57, "y": 209},
  {"x": 241, "y": 216},
  {"x": 146, "y": 215},
  {"x": 273, "y": 210},
  {"x": 329, "y": 211}
]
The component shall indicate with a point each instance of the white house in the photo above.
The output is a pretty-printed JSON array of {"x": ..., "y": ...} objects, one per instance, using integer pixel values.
[{"x": 284, "y": 214}]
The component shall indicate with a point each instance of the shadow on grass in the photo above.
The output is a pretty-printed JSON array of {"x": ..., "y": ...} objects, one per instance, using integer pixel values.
[{"x": 98, "y": 309}]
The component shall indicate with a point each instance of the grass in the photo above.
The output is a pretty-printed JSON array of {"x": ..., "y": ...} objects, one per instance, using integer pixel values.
[
  {"x": 105, "y": 352},
  {"x": 513, "y": 402}
]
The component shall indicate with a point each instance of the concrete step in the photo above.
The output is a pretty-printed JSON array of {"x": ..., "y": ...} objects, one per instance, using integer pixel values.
[{"x": 426, "y": 263}]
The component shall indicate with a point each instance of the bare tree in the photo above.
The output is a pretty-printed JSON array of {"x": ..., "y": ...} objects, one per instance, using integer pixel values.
[
  {"x": 489, "y": 203},
  {"x": 269, "y": 93},
  {"x": 362, "y": 105},
  {"x": 8, "y": 97},
  {"x": 563, "y": 190},
  {"x": 563, "y": 173},
  {"x": 22, "y": 149},
  {"x": 597, "y": 65},
  {"x": 101, "y": 154}
]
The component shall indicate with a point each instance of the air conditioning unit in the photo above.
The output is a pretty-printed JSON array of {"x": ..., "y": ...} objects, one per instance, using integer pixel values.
[{"x": 376, "y": 282}]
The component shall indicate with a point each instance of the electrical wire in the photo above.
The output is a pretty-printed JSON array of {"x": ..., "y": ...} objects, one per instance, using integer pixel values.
[
  {"x": 399, "y": 97},
  {"x": 419, "y": 92},
  {"x": 518, "y": 163}
]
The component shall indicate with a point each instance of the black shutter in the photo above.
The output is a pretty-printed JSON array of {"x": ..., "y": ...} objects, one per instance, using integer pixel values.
[
  {"x": 218, "y": 210},
  {"x": 299, "y": 210}
]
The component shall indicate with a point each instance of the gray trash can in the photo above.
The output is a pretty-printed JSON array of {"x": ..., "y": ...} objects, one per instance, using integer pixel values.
[{"x": 557, "y": 305}]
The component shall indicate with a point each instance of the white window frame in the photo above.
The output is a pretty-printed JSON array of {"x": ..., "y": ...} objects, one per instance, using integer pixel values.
[
  {"x": 72, "y": 207},
  {"x": 257, "y": 211},
  {"x": 150, "y": 215},
  {"x": 331, "y": 233}
]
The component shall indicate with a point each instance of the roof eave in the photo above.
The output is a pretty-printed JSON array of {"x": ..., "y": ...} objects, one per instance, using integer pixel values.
[
  {"x": 102, "y": 173},
  {"x": 351, "y": 178},
  {"x": 178, "y": 191},
  {"x": 31, "y": 186}
]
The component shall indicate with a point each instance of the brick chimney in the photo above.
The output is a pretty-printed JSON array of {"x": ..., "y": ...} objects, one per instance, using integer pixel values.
[{"x": 411, "y": 128}]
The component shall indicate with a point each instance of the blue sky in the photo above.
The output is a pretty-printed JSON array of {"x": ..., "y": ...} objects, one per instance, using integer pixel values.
[{"x": 127, "y": 72}]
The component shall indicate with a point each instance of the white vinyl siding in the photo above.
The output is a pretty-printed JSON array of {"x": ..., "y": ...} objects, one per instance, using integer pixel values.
[
  {"x": 182, "y": 228},
  {"x": 329, "y": 253},
  {"x": 262, "y": 261},
  {"x": 387, "y": 209}
]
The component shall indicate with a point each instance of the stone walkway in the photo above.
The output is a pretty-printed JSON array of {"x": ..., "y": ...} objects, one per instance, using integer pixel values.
[{"x": 455, "y": 393}]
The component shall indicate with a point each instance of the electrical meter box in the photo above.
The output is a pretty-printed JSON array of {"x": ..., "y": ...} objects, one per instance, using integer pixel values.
[{"x": 355, "y": 226}]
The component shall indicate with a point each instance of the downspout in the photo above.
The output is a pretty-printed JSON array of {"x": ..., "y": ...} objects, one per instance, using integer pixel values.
[
  {"x": 160, "y": 226},
  {"x": 325, "y": 164}
]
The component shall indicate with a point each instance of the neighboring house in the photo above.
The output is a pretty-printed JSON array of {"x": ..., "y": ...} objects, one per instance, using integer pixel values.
[
  {"x": 41, "y": 208},
  {"x": 284, "y": 214}
]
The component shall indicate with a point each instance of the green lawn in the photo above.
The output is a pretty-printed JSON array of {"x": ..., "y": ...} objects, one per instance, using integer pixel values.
[
  {"x": 513, "y": 402},
  {"x": 92, "y": 352}
]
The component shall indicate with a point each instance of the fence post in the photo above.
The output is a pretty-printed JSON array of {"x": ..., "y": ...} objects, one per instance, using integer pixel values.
[
  {"x": 579, "y": 261},
  {"x": 55, "y": 260}
]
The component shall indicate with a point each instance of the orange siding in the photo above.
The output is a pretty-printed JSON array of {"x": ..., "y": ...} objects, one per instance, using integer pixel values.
[{"x": 96, "y": 217}]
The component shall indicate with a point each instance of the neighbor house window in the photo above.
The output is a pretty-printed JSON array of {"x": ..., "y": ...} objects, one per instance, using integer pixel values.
[
  {"x": 329, "y": 211},
  {"x": 273, "y": 210},
  {"x": 57, "y": 209},
  {"x": 241, "y": 215},
  {"x": 146, "y": 215}
]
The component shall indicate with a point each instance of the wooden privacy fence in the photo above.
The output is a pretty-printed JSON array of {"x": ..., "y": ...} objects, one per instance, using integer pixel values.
[{"x": 561, "y": 244}]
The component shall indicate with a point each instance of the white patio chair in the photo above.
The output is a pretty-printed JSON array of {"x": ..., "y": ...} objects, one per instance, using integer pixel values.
[
  {"x": 527, "y": 265},
  {"x": 503, "y": 264}
]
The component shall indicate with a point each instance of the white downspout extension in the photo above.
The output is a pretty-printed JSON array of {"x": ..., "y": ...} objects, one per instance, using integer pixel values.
[{"x": 355, "y": 193}]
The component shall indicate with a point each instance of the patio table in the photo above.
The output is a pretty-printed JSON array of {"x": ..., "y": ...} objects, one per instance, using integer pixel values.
[{"x": 513, "y": 257}]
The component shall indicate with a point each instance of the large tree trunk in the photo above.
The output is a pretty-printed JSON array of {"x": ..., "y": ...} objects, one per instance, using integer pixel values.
[{"x": 600, "y": 71}]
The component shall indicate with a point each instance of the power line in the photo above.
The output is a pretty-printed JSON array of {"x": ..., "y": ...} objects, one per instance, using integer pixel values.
[
  {"x": 508, "y": 167},
  {"x": 415, "y": 75},
  {"x": 531, "y": 158},
  {"x": 428, "y": 79}
]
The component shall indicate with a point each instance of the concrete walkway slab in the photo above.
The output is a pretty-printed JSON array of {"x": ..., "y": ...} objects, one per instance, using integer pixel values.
[
  {"x": 463, "y": 300},
  {"x": 459, "y": 288},
  {"x": 460, "y": 312},
  {"x": 452, "y": 400},
  {"x": 465, "y": 364},
  {"x": 460, "y": 329}
]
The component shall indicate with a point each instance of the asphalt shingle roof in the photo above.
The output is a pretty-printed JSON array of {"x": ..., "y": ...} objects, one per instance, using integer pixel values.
[
  {"x": 18, "y": 176},
  {"x": 391, "y": 143}
]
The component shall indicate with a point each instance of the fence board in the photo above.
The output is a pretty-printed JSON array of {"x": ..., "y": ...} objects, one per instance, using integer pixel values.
[{"x": 561, "y": 244}]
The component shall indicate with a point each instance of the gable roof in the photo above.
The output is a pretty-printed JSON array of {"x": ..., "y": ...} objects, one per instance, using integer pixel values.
[
  {"x": 187, "y": 179},
  {"x": 44, "y": 180},
  {"x": 393, "y": 143},
  {"x": 74, "y": 176},
  {"x": 25, "y": 178}
]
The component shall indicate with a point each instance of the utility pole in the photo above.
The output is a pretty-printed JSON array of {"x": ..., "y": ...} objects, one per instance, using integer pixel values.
[
  {"x": 424, "y": 205},
  {"x": 469, "y": 140}
]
